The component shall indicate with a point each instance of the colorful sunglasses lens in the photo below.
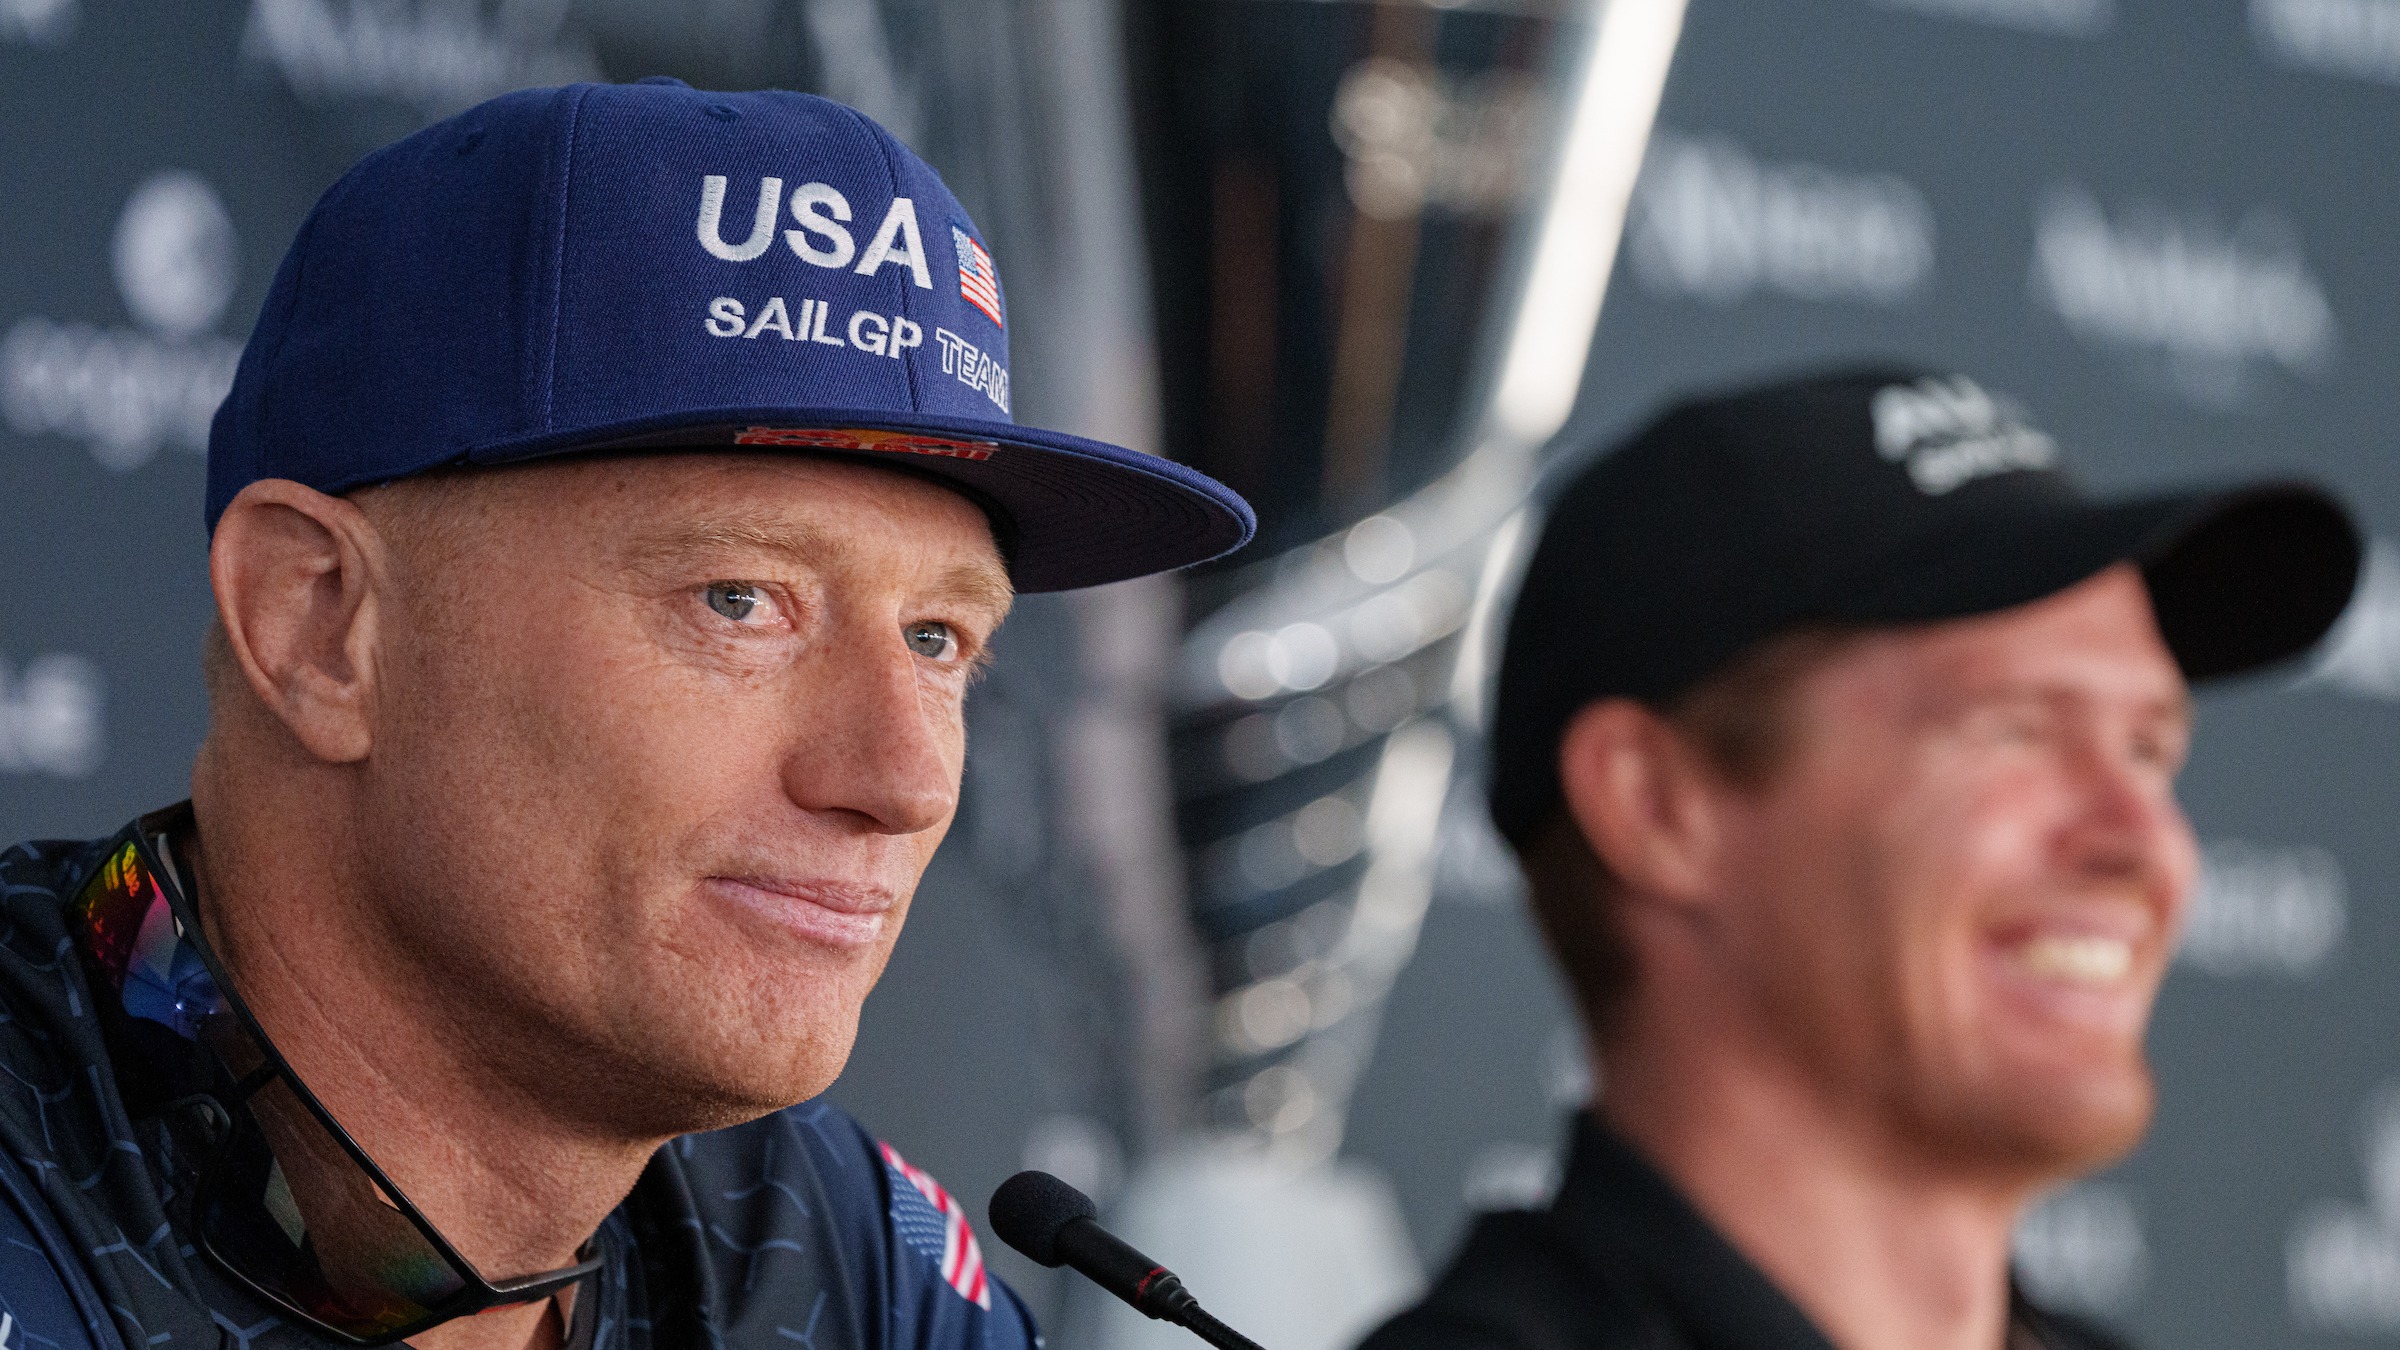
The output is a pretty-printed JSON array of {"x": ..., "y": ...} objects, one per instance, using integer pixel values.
[
  {"x": 290, "y": 1211},
  {"x": 283, "y": 1205}
]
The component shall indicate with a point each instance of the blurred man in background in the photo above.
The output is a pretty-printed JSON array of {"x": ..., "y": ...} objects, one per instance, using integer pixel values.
[
  {"x": 1837, "y": 734},
  {"x": 556, "y": 817}
]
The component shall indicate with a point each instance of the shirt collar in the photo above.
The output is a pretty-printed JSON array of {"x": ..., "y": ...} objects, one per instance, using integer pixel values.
[{"x": 1619, "y": 1212}]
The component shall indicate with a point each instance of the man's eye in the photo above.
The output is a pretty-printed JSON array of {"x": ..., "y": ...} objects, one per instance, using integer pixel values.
[
  {"x": 2014, "y": 726},
  {"x": 931, "y": 639},
  {"x": 2161, "y": 751},
  {"x": 736, "y": 600}
]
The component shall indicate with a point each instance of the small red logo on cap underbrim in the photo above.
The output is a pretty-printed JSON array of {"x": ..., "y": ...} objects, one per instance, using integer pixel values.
[{"x": 897, "y": 442}]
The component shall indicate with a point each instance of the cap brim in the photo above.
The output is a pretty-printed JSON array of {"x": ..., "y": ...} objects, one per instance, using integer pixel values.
[
  {"x": 2253, "y": 577},
  {"x": 1069, "y": 512},
  {"x": 2239, "y": 579}
]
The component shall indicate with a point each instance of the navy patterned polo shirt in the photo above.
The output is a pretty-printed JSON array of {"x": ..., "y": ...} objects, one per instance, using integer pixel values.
[{"x": 798, "y": 1231}]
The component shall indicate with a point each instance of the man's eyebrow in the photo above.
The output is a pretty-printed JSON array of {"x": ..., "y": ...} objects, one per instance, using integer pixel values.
[
  {"x": 2058, "y": 693},
  {"x": 2177, "y": 704},
  {"x": 983, "y": 586},
  {"x": 733, "y": 535}
]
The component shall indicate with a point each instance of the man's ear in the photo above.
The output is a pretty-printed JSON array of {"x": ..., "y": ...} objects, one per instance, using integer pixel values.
[
  {"x": 296, "y": 575},
  {"x": 1642, "y": 797}
]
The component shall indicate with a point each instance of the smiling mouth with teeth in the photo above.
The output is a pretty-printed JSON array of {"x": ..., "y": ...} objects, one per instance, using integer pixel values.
[{"x": 2084, "y": 959}]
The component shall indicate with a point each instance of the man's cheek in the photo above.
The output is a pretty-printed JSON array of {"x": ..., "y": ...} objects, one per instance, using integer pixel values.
[
  {"x": 661, "y": 732},
  {"x": 2181, "y": 871},
  {"x": 903, "y": 869},
  {"x": 948, "y": 720},
  {"x": 1976, "y": 835}
]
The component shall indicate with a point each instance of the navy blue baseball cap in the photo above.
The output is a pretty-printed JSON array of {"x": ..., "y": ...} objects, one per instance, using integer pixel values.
[{"x": 648, "y": 266}]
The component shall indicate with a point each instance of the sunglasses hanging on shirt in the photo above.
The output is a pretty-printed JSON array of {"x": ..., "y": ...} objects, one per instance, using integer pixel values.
[{"x": 287, "y": 1203}]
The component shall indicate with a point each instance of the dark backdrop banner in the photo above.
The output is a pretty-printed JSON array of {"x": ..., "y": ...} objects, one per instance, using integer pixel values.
[{"x": 2164, "y": 225}]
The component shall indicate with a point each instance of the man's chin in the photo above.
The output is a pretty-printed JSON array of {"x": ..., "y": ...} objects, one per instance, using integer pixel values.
[
  {"x": 2049, "y": 1126},
  {"x": 664, "y": 1091},
  {"x": 722, "y": 1111},
  {"x": 699, "y": 1103}
]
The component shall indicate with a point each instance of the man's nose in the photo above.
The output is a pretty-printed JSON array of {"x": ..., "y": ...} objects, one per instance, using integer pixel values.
[
  {"x": 869, "y": 741},
  {"x": 2129, "y": 825}
]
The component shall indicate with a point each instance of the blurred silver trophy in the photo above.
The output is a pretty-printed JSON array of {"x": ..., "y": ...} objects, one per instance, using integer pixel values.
[{"x": 1411, "y": 214}]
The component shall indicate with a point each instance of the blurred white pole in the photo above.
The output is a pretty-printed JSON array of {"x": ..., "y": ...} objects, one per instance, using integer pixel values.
[
  {"x": 1093, "y": 333},
  {"x": 1617, "y": 93},
  {"x": 1575, "y": 246}
]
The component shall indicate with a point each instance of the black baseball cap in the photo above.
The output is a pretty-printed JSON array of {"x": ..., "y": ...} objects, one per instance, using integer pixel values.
[{"x": 1872, "y": 496}]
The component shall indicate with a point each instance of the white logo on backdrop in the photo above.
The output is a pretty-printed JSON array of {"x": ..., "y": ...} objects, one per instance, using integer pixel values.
[
  {"x": 2217, "y": 305},
  {"x": 1948, "y": 431},
  {"x": 44, "y": 23},
  {"x": 2362, "y": 653},
  {"x": 175, "y": 255},
  {"x": 123, "y": 392},
  {"x": 2342, "y": 1261},
  {"x": 2068, "y": 18},
  {"x": 50, "y": 717},
  {"x": 1412, "y": 138},
  {"x": 2265, "y": 911},
  {"x": 2357, "y": 38},
  {"x": 2082, "y": 1249},
  {"x": 434, "y": 55},
  {"x": 1711, "y": 221}
]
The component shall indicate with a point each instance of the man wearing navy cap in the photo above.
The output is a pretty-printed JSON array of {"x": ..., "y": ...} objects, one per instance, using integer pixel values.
[
  {"x": 617, "y": 497},
  {"x": 1837, "y": 733}
]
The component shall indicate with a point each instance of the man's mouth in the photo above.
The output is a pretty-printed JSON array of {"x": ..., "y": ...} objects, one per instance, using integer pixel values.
[
  {"x": 2090, "y": 969},
  {"x": 2082, "y": 959},
  {"x": 824, "y": 911}
]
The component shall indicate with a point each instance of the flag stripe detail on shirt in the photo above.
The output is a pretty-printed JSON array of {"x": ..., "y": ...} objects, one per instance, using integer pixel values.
[{"x": 932, "y": 1222}]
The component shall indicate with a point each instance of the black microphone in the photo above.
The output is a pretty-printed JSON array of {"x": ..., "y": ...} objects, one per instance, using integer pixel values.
[{"x": 1051, "y": 1222}]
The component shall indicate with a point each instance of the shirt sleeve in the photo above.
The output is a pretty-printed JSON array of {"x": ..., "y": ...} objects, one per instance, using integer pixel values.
[{"x": 35, "y": 1307}]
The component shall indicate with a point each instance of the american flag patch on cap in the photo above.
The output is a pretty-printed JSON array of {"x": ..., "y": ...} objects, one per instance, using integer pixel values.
[
  {"x": 978, "y": 281},
  {"x": 934, "y": 1225}
]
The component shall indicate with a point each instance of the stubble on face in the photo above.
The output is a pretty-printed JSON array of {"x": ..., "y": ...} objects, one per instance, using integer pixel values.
[
  {"x": 663, "y": 745},
  {"x": 1963, "y": 886}
]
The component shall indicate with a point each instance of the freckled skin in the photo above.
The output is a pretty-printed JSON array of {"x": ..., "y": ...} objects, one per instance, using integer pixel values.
[
  {"x": 577, "y": 739},
  {"x": 549, "y": 812},
  {"x": 1953, "y": 786}
]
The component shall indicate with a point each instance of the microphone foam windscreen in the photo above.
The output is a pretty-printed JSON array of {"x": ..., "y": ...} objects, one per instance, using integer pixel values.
[{"x": 1030, "y": 1208}]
